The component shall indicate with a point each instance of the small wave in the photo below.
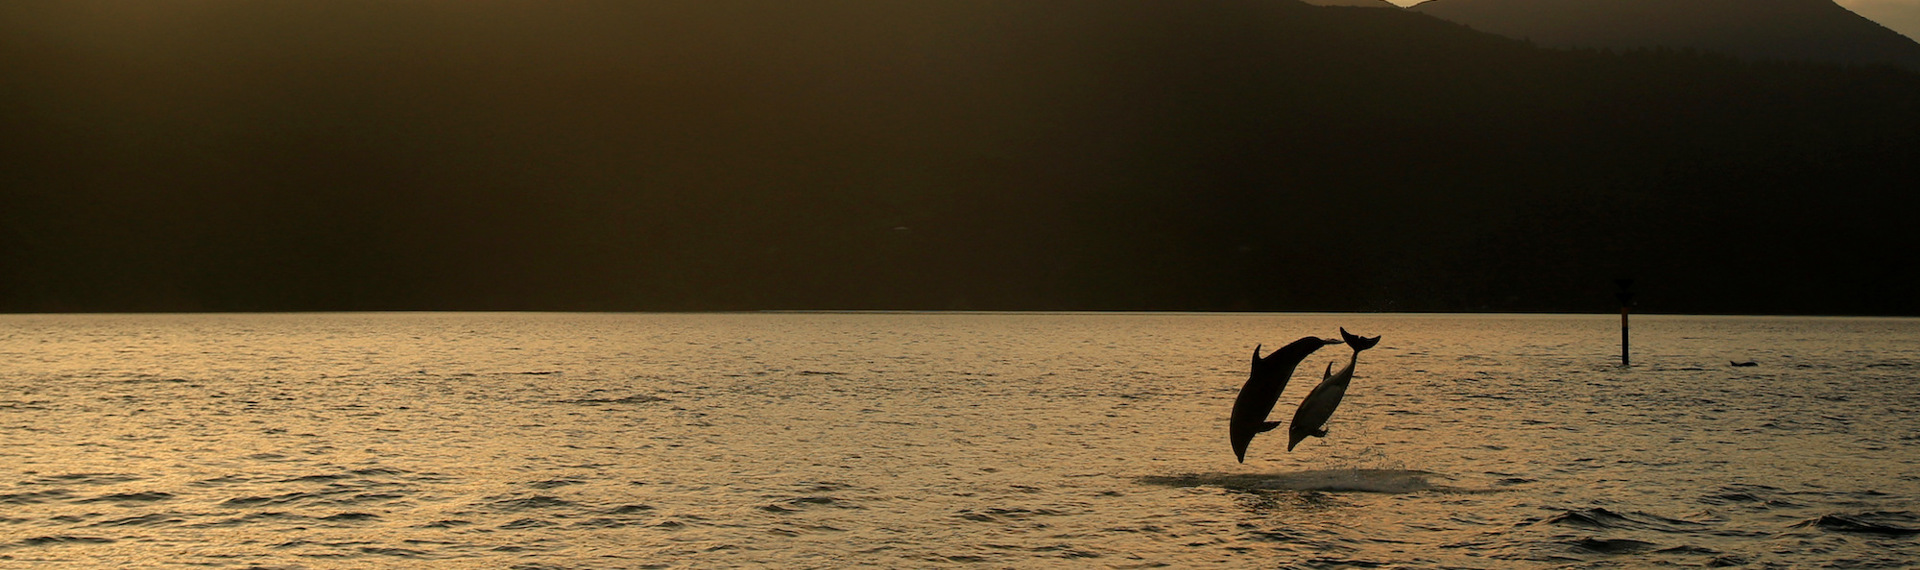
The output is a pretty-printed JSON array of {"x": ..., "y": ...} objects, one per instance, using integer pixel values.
[
  {"x": 34, "y": 497},
  {"x": 223, "y": 480},
  {"x": 144, "y": 497},
  {"x": 1689, "y": 549},
  {"x": 244, "y": 502},
  {"x": 819, "y": 501},
  {"x": 1600, "y": 518},
  {"x": 1050, "y": 550},
  {"x": 388, "y": 551},
  {"x": 1276, "y": 535},
  {"x": 314, "y": 479},
  {"x": 367, "y": 498},
  {"x": 629, "y": 509},
  {"x": 1883, "y": 523},
  {"x": 60, "y": 539},
  {"x": 1268, "y": 501},
  {"x": 526, "y": 523},
  {"x": 1068, "y": 552},
  {"x": 602, "y": 522},
  {"x": 1733, "y": 497},
  {"x": 154, "y": 380},
  {"x": 634, "y": 399},
  {"x": 153, "y": 519},
  {"x": 83, "y": 479},
  {"x": 1330, "y": 562},
  {"x": 1590, "y": 518},
  {"x": 1748, "y": 494},
  {"x": 1612, "y": 545},
  {"x": 249, "y": 518},
  {"x": 529, "y": 503},
  {"x": 997, "y": 514},
  {"x": 1388, "y": 481}
]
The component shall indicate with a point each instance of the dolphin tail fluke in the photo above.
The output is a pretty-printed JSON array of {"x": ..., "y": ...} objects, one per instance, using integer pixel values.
[{"x": 1358, "y": 343}]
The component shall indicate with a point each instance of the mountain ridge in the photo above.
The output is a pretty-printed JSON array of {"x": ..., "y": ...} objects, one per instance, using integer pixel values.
[
  {"x": 976, "y": 154},
  {"x": 1793, "y": 30}
]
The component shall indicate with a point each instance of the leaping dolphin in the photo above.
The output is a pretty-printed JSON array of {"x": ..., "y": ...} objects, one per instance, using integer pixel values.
[
  {"x": 1262, "y": 390},
  {"x": 1310, "y": 419}
]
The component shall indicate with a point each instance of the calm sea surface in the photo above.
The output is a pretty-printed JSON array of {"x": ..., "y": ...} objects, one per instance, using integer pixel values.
[{"x": 550, "y": 441}]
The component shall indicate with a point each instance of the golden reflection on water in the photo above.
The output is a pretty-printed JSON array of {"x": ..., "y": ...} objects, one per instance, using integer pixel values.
[{"x": 584, "y": 440}]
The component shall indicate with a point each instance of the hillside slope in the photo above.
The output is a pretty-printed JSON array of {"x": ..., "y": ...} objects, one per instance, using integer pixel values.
[
  {"x": 936, "y": 154},
  {"x": 1791, "y": 30}
]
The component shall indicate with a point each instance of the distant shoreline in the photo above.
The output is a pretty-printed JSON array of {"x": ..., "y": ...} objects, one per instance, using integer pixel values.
[{"x": 966, "y": 312}]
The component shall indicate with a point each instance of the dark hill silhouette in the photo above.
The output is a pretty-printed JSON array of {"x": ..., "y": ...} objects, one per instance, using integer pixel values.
[
  {"x": 1793, "y": 30},
  {"x": 934, "y": 154},
  {"x": 1353, "y": 3}
]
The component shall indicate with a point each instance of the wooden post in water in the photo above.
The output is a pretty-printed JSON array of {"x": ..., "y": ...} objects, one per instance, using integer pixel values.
[{"x": 1626, "y": 300}]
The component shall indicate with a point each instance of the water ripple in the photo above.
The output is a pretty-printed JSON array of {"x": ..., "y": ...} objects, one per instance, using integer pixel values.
[{"x": 546, "y": 441}]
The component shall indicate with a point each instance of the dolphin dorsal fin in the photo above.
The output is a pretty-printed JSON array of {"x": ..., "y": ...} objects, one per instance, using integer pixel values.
[{"x": 1328, "y": 373}]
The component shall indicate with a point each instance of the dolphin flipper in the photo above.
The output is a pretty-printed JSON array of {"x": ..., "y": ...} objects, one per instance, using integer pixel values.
[{"x": 1268, "y": 426}]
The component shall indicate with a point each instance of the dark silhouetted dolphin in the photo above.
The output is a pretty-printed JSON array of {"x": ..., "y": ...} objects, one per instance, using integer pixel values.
[
  {"x": 1310, "y": 419},
  {"x": 1262, "y": 390}
]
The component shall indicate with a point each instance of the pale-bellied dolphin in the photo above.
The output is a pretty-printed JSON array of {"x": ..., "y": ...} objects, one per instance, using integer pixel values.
[
  {"x": 1310, "y": 419},
  {"x": 1262, "y": 390}
]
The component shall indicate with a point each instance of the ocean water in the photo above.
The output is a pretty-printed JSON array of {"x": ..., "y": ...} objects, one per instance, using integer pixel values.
[{"x": 551, "y": 441}]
